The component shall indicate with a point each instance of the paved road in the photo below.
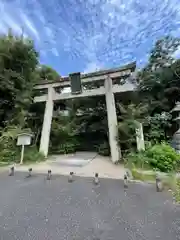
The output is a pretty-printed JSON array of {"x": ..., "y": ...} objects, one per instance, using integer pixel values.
[{"x": 36, "y": 209}]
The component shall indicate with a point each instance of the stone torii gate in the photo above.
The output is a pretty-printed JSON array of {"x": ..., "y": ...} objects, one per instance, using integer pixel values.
[{"x": 110, "y": 82}]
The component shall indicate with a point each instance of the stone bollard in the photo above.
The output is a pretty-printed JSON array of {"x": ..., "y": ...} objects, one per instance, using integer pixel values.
[
  {"x": 159, "y": 185},
  {"x": 125, "y": 180},
  {"x": 96, "y": 179},
  {"x": 11, "y": 171},
  {"x": 29, "y": 172},
  {"x": 129, "y": 174},
  {"x": 49, "y": 175},
  {"x": 70, "y": 178}
]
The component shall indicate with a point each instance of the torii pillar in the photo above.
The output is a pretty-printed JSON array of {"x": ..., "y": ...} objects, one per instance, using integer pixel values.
[
  {"x": 46, "y": 129},
  {"x": 112, "y": 121}
]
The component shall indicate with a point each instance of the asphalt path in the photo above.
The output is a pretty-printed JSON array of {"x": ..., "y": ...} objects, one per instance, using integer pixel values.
[{"x": 37, "y": 209}]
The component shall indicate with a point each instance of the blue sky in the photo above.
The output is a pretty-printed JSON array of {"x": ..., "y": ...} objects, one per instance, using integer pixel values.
[{"x": 85, "y": 35}]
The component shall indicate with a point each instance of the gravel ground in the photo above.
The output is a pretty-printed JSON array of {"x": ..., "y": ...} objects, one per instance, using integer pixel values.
[
  {"x": 63, "y": 164},
  {"x": 37, "y": 209}
]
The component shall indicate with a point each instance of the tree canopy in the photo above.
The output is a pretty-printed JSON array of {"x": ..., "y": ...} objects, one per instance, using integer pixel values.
[
  {"x": 47, "y": 73},
  {"x": 18, "y": 61}
]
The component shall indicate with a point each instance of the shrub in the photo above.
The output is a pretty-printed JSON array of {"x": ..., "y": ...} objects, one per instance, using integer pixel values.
[
  {"x": 160, "y": 157},
  {"x": 138, "y": 160},
  {"x": 8, "y": 149},
  {"x": 163, "y": 157},
  {"x": 62, "y": 140},
  {"x": 31, "y": 154},
  {"x": 64, "y": 148},
  {"x": 9, "y": 152}
]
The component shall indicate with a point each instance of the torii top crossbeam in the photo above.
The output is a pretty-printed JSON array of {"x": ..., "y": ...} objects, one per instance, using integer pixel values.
[
  {"x": 90, "y": 77},
  {"x": 114, "y": 73}
]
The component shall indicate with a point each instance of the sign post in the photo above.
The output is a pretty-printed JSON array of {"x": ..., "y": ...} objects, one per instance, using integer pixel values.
[
  {"x": 22, "y": 154},
  {"x": 23, "y": 139}
]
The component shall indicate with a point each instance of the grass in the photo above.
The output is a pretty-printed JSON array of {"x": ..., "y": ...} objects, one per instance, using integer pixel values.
[
  {"x": 176, "y": 191},
  {"x": 139, "y": 169},
  {"x": 147, "y": 177},
  {"x": 4, "y": 164},
  {"x": 29, "y": 162},
  {"x": 138, "y": 163},
  {"x": 170, "y": 182},
  {"x": 167, "y": 180}
]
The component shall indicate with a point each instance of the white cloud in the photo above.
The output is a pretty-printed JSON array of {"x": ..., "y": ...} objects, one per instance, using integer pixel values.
[
  {"x": 55, "y": 52},
  {"x": 48, "y": 32},
  {"x": 7, "y": 21},
  {"x": 92, "y": 67},
  {"x": 29, "y": 24},
  {"x": 122, "y": 29},
  {"x": 177, "y": 53},
  {"x": 3, "y": 28},
  {"x": 43, "y": 53},
  {"x": 107, "y": 32},
  {"x": 49, "y": 36},
  {"x": 11, "y": 23},
  {"x": 38, "y": 12},
  {"x": 93, "y": 43},
  {"x": 41, "y": 18}
]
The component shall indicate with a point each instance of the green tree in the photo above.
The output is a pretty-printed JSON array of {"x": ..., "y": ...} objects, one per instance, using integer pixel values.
[
  {"x": 159, "y": 78},
  {"x": 162, "y": 53},
  {"x": 45, "y": 72},
  {"x": 18, "y": 60},
  {"x": 159, "y": 87},
  {"x": 128, "y": 120}
]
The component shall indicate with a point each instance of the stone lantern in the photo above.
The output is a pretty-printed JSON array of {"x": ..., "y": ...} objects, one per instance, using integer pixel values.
[{"x": 176, "y": 136}]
